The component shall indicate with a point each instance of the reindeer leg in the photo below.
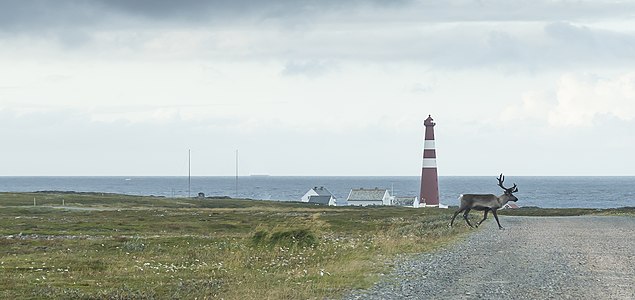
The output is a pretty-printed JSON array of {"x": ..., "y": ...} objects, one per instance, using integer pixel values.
[
  {"x": 465, "y": 214},
  {"x": 484, "y": 217},
  {"x": 453, "y": 217},
  {"x": 496, "y": 216}
]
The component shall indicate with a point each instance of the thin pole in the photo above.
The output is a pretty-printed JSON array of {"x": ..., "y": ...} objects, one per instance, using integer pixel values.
[
  {"x": 189, "y": 172},
  {"x": 236, "y": 195}
]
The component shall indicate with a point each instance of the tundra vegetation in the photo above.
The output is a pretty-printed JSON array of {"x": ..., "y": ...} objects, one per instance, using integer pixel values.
[
  {"x": 105, "y": 246},
  {"x": 125, "y": 247}
]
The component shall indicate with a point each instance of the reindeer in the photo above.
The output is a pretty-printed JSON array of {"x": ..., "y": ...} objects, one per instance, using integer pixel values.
[{"x": 485, "y": 203}]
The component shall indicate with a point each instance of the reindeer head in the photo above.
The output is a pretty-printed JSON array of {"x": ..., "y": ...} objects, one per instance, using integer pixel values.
[{"x": 508, "y": 191}]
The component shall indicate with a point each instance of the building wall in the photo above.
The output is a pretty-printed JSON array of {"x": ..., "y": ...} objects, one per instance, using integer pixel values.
[
  {"x": 365, "y": 202},
  {"x": 387, "y": 200}
]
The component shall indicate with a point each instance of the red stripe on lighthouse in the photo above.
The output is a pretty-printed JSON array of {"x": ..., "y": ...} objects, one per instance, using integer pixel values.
[
  {"x": 429, "y": 153},
  {"x": 429, "y": 133},
  {"x": 429, "y": 179}
]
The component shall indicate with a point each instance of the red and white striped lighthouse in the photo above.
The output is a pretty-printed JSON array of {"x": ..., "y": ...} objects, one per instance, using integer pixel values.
[{"x": 429, "y": 195}]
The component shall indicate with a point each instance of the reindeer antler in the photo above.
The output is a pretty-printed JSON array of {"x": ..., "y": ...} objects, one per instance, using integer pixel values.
[
  {"x": 512, "y": 189},
  {"x": 501, "y": 179}
]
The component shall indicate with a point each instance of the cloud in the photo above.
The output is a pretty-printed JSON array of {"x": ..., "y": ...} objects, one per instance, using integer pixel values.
[
  {"x": 310, "y": 68},
  {"x": 70, "y": 142},
  {"x": 534, "y": 105},
  {"x": 579, "y": 100},
  {"x": 378, "y": 10},
  {"x": 202, "y": 10},
  {"x": 35, "y": 15},
  {"x": 579, "y": 43},
  {"x": 420, "y": 87},
  {"x": 307, "y": 33}
]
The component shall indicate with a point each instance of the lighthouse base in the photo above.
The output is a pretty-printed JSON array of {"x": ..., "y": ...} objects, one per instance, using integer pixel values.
[
  {"x": 429, "y": 192},
  {"x": 440, "y": 205}
]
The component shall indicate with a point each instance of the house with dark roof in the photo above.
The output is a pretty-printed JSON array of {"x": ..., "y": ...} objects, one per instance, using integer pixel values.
[
  {"x": 366, "y": 197},
  {"x": 319, "y": 195}
]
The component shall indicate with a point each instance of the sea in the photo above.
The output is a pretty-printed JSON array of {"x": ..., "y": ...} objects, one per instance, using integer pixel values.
[{"x": 538, "y": 191}]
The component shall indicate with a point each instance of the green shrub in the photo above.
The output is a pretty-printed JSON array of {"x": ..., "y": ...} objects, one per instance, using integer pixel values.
[
  {"x": 299, "y": 237},
  {"x": 259, "y": 237},
  {"x": 287, "y": 238},
  {"x": 134, "y": 245}
]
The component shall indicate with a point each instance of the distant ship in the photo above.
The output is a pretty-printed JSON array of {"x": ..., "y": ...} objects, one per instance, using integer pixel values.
[{"x": 259, "y": 175}]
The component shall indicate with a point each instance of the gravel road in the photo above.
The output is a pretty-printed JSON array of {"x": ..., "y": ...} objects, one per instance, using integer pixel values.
[{"x": 588, "y": 257}]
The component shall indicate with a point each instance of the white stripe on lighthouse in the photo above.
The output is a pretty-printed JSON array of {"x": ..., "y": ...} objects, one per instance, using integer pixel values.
[
  {"x": 429, "y": 163},
  {"x": 428, "y": 144}
]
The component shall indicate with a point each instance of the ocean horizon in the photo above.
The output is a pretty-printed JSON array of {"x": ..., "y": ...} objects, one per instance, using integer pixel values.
[{"x": 540, "y": 191}]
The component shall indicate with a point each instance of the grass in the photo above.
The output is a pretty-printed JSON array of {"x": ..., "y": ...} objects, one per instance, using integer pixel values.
[
  {"x": 126, "y": 247},
  {"x": 106, "y": 246}
]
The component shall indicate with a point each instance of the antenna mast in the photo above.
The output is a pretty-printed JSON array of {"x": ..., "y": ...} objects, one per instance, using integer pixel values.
[
  {"x": 189, "y": 172},
  {"x": 236, "y": 195}
]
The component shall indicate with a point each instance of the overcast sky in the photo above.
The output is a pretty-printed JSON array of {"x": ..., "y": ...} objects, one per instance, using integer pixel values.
[{"x": 303, "y": 87}]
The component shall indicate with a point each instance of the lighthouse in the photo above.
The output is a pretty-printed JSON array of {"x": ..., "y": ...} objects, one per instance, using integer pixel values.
[{"x": 429, "y": 195}]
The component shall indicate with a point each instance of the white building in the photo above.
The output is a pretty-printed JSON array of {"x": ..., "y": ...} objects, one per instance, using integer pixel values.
[
  {"x": 366, "y": 197},
  {"x": 319, "y": 195},
  {"x": 406, "y": 201}
]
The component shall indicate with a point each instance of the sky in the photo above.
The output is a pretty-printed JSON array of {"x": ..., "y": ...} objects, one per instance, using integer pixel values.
[{"x": 316, "y": 88}]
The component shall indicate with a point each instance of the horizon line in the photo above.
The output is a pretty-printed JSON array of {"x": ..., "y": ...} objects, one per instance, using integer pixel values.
[{"x": 267, "y": 175}]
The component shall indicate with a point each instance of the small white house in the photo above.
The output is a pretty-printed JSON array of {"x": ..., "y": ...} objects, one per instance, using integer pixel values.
[
  {"x": 406, "y": 201},
  {"x": 366, "y": 197},
  {"x": 319, "y": 195}
]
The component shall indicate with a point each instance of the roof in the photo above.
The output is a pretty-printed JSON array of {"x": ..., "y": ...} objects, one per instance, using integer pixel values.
[
  {"x": 322, "y": 191},
  {"x": 320, "y": 199},
  {"x": 510, "y": 205},
  {"x": 366, "y": 194}
]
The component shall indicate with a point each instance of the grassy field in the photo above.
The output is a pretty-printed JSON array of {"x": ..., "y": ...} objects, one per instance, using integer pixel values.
[
  {"x": 124, "y": 247},
  {"x": 105, "y": 246}
]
